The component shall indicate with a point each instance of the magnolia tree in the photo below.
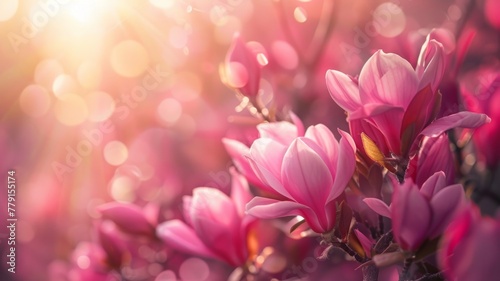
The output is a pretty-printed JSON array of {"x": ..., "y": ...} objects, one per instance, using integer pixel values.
[{"x": 388, "y": 198}]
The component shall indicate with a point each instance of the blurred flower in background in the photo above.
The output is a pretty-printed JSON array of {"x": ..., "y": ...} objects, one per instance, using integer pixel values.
[{"x": 114, "y": 111}]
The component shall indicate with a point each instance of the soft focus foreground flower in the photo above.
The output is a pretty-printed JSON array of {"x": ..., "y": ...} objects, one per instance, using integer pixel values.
[
  {"x": 420, "y": 214},
  {"x": 470, "y": 248},
  {"x": 283, "y": 132},
  {"x": 391, "y": 106},
  {"x": 241, "y": 70},
  {"x": 310, "y": 173},
  {"x": 216, "y": 225}
]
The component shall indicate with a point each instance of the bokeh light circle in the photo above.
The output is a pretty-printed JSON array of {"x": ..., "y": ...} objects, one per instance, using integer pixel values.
[
  {"x": 34, "y": 101},
  {"x": 169, "y": 111},
  {"x": 47, "y": 71},
  {"x": 115, "y": 153},
  {"x": 389, "y": 20},
  {"x": 129, "y": 58},
  {"x": 64, "y": 85},
  {"x": 167, "y": 275},
  {"x": 72, "y": 110},
  {"x": 8, "y": 9}
]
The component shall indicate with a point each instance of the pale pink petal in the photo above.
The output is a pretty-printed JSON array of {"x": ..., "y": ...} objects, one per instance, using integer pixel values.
[
  {"x": 321, "y": 135},
  {"x": 346, "y": 163},
  {"x": 181, "y": 237},
  {"x": 431, "y": 65},
  {"x": 462, "y": 119},
  {"x": 268, "y": 178},
  {"x": 433, "y": 184},
  {"x": 240, "y": 193},
  {"x": 343, "y": 90},
  {"x": 186, "y": 208},
  {"x": 268, "y": 153},
  {"x": 266, "y": 208},
  {"x": 298, "y": 123},
  {"x": 282, "y": 132},
  {"x": 445, "y": 204},
  {"x": 306, "y": 176},
  {"x": 378, "y": 206},
  {"x": 128, "y": 217},
  {"x": 238, "y": 151},
  {"x": 387, "y": 79},
  {"x": 445, "y": 37}
]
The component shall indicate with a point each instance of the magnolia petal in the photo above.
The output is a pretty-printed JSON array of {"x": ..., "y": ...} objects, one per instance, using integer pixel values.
[
  {"x": 343, "y": 90},
  {"x": 411, "y": 215},
  {"x": 431, "y": 64},
  {"x": 298, "y": 123},
  {"x": 239, "y": 54},
  {"x": 346, "y": 163},
  {"x": 366, "y": 243},
  {"x": 178, "y": 235},
  {"x": 128, "y": 217},
  {"x": 283, "y": 132},
  {"x": 378, "y": 206},
  {"x": 267, "y": 208},
  {"x": 445, "y": 204},
  {"x": 387, "y": 79},
  {"x": 305, "y": 174},
  {"x": 433, "y": 184},
  {"x": 462, "y": 119},
  {"x": 240, "y": 193},
  {"x": 322, "y": 136},
  {"x": 237, "y": 151}
]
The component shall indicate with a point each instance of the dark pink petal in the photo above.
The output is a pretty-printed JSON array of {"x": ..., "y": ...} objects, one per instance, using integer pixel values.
[
  {"x": 411, "y": 215},
  {"x": 178, "y": 235},
  {"x": 433, "y": 184},
  {"x": 305, "y": 175},
  {"x": 127, "y": 217},
  {"x": 366, "y": 242},
  {"x": 462, "y": 119},
  {"x": 345, "y": 165},
  {"x": 343, "y": 90},
  {"x": 445, "y": 204},
  {"x": 422, "y": 110},
  {"x": 435, "y": 155},
  {"x": 378, "y": 206},
  {"x": 387, "y": 79}
]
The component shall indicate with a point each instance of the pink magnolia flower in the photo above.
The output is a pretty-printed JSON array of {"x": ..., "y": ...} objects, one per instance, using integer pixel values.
[
  {"x": 130, "y": 218},
  {"x": 420, "y": 214},
  {"x": 241, "y": 70},
  {"x": 283, "y": 132},
  {"x": 216, "y": 225},
  {"x": 394, "y": 105},
  {"x": 309, "y": 173},
  {"x": 470, "y": 248}
]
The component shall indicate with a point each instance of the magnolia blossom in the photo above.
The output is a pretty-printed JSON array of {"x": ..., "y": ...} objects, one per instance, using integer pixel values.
[
  {"x": 215, "y": 224},
  {"x": 309, "y": 173},
  {"x": 420, "y": 214},
  {"x": 470, "y": 248},
  {"x": 391, "y": 105}
]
